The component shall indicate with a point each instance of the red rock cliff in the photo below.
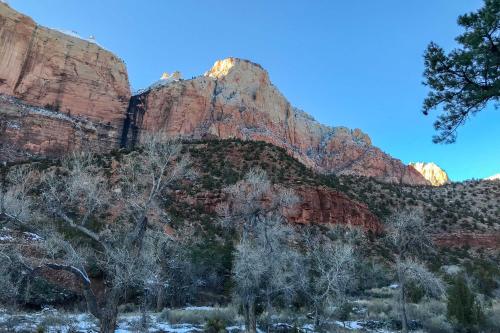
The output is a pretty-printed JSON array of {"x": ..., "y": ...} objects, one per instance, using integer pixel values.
[
  {"x": 317, "y": 205},
  {"x": 236, "y": 99},
  {"x": 64, "y": 75}
]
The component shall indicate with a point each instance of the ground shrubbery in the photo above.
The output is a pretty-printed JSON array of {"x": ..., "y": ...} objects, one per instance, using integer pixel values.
[
  {"x": 206, "y": 252},
  {"x": 200, "y": 316}
]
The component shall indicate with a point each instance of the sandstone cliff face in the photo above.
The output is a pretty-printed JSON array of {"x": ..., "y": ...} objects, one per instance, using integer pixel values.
[
  {"x": 433, "y": 173},
  {"x": 73, "y": 77},
  {"x": 27, "y": 132},
  {"x": 236, "y": 99},
  {"x": 316, "y": 205},
  {"x": 324, "y": 206},
  {"x": 82, "y": 94}
]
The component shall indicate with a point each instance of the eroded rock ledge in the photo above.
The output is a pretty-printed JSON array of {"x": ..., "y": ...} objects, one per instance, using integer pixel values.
[{"x": 62, "y": 85}]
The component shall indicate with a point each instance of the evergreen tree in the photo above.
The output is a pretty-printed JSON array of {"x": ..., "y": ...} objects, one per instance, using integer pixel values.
[
  {"x": 463, "y": 309},
  {"x": 467, "y": 79}
]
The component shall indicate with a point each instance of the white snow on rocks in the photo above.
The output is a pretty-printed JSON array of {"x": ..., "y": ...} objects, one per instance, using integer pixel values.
[{"x": 74, "y": 34}]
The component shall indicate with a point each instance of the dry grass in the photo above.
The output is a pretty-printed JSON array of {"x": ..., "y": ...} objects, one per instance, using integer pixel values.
[{"x": 199, "y": 317}]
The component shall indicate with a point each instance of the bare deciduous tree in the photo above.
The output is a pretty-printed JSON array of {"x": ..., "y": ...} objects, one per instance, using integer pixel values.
[
  {"x": 15, "y": 202},
  {"x": 266, "y": 268},
  {"x": 252, "y": 199},
  {"x": 264, "y": 261},
  {"x": 331, "y": 271},
  {"x": 111, "y": 219},
  {"x": 9, "y": 280},
  {"x": 409, "y": 238},
  {"x": 176, "y": 281}
]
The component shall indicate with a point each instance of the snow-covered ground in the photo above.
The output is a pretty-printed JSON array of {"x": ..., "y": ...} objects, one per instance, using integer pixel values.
[{"x": 53, "y": 321}]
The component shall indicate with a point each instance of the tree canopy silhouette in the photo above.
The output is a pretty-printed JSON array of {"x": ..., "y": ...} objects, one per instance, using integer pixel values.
[{"x": 467, "y": 79}]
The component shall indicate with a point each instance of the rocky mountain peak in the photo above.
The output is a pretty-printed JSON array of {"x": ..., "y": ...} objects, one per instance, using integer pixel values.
[
  {"x": 231, "y": 65},
  {"x": 432, "y": 172}
]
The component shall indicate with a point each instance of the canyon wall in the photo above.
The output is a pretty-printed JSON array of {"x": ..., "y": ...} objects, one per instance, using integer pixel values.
[
  {"x": 57, "y": 90},
  {"x": 59, "y": 93},
  {"x": 236, "y": 99},
  {"x": 317, "y": 205}
]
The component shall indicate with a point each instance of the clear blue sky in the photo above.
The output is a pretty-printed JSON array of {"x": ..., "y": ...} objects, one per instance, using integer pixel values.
[{"x": 356, "y": 63}]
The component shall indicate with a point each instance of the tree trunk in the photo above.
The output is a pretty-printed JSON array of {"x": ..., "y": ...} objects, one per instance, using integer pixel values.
[
  {"x": 109, "y": 312},
  {"x": 402, "y": 302},
  {"x": 316, "y": 319},
  {"x": 268, "y": 310},
  {"x": 250, "y": 319},
  {"x": 160, "y": 298},
  {"x": 107, "y": 322},
  {"x": 144, "y": 311}
]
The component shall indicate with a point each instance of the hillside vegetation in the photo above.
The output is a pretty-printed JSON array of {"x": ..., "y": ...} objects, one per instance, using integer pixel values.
[{"x": 205, "y": 246}]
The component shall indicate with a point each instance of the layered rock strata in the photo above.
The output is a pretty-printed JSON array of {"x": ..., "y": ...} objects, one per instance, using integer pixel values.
[
  {"x": 76, "y": 83},
  {"x": 316, "y": 205},
  {"x": 236, "y": 99}
]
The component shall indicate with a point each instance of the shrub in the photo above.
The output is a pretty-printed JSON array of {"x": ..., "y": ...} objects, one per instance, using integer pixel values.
[
  {"x": 344, "y": 311},
  {"x": 493, "y": 319},
  {"x": 414, "y": 292},
  {"x": 437, "y": 324},
  {"x": 127, "y": 308},
  {"x": 431, "y": 314},
  {"x": 379, "y": 309},
  {"x": 215, "y": 325},
  {"x": 198, "y": 317}
]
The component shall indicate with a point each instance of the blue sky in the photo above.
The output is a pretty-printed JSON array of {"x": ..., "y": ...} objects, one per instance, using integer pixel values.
[{"x": 356, "y": 63}]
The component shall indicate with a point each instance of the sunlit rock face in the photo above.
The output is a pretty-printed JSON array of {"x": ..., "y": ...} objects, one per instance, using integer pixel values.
[
  {"x": 433, "y": 173},
  {"x": 494, "y": 177},
  {"x": 80, "y": 90},
  {"x": 236, "y": 99}
]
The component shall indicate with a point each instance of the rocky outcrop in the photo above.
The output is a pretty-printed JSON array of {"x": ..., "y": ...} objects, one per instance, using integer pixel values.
[
  {"x": 27, "y": 131},
  {"x": 324, "y": 206},
  {"x": 433, "y": 173},
  {"x": 77, "y": 84},
  {"x": 316, "y": 205},
  {"x": 460, "y": 239},
  {"x": 236, "y": 99}
]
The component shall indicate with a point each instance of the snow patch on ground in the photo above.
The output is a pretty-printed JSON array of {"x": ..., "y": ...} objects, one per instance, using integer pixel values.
[
  {"x": 350, "y": 325},
  {"x": 53, "y": 321},
  {"x": 199, "y": 308},
  {"x": 31, "y": 236}
]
